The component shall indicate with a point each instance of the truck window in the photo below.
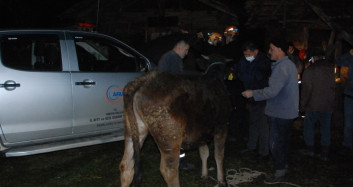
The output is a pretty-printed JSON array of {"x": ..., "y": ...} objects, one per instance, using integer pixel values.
[
  {"x": 31, "y": 52},
  {"x": 99, "y": 55}
]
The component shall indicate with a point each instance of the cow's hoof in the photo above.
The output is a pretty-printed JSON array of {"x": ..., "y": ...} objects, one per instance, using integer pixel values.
[
  {"x": 204, "y": 178},
  {"x": 222, "y": 184}
]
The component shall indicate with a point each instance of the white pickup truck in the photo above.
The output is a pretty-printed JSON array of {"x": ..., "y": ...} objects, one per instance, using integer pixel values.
[{"x": 62, "y": 89}]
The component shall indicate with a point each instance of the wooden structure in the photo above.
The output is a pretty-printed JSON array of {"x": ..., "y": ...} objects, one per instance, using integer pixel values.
[
  {"x": 299, "y": 17},
  {"x": 124, "y": 19},
  {"x": 305, "y": 22}
]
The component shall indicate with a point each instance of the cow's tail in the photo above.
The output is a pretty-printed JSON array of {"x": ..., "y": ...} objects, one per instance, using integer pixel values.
[
  {"x": 131, "y": 123},
  {"x": 130, "y": 118}
]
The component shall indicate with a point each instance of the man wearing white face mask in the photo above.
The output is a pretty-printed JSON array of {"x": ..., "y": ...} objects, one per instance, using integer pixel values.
[{"x": 254, "y": 70}]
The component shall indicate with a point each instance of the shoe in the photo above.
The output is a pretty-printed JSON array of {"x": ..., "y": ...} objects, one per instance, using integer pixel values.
[
  {"x": 324, "y": 154},
  {"x": 323, "y": 157},
  {"x": 232, "y": 139},
  {"x": 307, "y": 152},
  {"x": 247, "y": 151},
  {"x": 262, "y": 158},
  {"x": 186, "y": 166},
  {"x": 259, "y": 158},
  {"x": 345, "y": 151},
  {"x": 278, "y": 177},
  {"x": 273, "y": 179}
]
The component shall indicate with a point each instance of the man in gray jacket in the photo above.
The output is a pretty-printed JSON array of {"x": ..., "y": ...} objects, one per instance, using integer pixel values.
[{"x": 282, "y": 102}]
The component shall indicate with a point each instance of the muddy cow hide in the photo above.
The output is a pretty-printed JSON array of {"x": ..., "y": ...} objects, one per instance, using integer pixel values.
[{"x": 179, "y": 111}]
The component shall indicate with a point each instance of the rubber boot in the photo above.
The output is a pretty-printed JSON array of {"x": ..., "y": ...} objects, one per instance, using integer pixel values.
[
  {"x": 309, "y": 151},
  {"x": 324, "y": 153}
]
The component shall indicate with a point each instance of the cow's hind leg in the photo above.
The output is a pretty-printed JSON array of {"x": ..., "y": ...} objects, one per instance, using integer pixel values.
[
  {"x": 219, "y": 143},
  {"x": 168, "y": 137},
  {"x": 170, "y": 167},
  {"x": 204, "y": 153},
  {"x": 127, "y": 163}
]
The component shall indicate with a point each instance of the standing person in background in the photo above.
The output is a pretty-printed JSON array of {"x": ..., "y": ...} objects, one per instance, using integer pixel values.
[
  {"x": 172, "y": 62},
  {"x": 254, "y": 70},
  {"x": 282, "y": 104},
  {"x": 215, "y": 39},
  {"x": 317, "y": 100},
  {"x": 293, "y": 55},
  {"x": 347, "y": 60},
  {"x": 229, "y": 47},
  {"x": 239, "y": 118}
]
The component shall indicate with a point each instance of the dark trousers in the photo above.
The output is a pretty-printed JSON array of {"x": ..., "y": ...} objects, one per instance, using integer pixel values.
[
  {"x": 258, "y": 128},
  {"x": 348, "y": 122},
  {"x": 238, "y": 127},
  {"x": 311, "y": 117},
  {"x": 280, "y": 132}
]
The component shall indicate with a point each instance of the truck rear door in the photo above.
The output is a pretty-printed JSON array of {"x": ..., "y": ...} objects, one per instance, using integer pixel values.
[
  {"x": 103, "y": 67},
  {"x": 35, "y": 91}
]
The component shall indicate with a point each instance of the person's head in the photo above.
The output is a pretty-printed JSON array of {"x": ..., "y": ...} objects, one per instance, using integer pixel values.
[
  {"x": 214, "y": 38},
  {"x": 181, "y": 48},
  {"x": 290, "y": 48},
  {"x": 278, "y": 48},
  {"x": 230, "y": 33},
  {"x": 250, "y": 51}
]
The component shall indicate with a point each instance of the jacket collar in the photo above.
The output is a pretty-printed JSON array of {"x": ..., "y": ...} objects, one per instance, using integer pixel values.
[{"x": 280, "y": 60}]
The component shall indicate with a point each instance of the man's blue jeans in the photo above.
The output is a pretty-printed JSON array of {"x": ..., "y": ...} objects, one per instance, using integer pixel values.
[
  {"x": 324, "y": 117},
  {"x": 280, "y": 132},
  {"x": 348, "y": 122}
]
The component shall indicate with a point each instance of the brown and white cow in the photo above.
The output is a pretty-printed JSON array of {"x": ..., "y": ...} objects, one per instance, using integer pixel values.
[{"x": 179, "y": 112}]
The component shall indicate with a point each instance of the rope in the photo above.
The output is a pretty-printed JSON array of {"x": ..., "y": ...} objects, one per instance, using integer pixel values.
[
  {"x": 282, "y": 183},
  {"x": 214, "y": 63},
  {"x": 234, "y": 177}
]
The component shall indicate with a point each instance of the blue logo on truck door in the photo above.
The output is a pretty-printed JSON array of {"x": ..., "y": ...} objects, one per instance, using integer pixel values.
[{"x": 114, "y": 94}]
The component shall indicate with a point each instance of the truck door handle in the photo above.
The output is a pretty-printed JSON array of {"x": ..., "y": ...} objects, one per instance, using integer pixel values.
[
  {"x": 85, "y": 83},
  {"x": 10, "y": 85}
]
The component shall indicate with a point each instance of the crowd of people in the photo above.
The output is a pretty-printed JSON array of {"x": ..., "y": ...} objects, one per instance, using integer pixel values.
[{"x": 265, "y": 88}]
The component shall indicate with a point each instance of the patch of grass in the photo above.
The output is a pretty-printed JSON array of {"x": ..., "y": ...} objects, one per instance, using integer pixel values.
[{"x": 99, "y": 166}]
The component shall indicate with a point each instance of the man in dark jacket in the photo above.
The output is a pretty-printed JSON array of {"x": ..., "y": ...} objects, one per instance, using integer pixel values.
[
  {"x": 172, "y": 61},
  {"x": 293, "y": 55},
  {"x": 254, "y": 70},
  {"x": 317, "y": 100},
  {"x": 231, "y": 52},
  {"x": 347, "y": 60}
]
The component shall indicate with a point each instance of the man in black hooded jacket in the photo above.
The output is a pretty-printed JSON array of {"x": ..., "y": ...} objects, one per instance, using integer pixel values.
[{"x": 254, "y": 70}]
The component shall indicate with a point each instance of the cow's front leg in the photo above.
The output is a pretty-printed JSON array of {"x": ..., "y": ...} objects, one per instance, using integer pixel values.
[
  {"x": 204, "y": 153},
  {"x": 219, "y": 143}
]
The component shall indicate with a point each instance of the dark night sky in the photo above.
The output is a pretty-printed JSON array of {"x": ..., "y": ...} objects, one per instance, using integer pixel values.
[
  {"x": 44, "y": 13},
  {"x": 32, "y": 13}
]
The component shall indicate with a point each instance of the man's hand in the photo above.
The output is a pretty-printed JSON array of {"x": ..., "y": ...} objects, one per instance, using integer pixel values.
[
  {"x": 247, "y": 93},
  {"x": 351, "y": 52}
]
